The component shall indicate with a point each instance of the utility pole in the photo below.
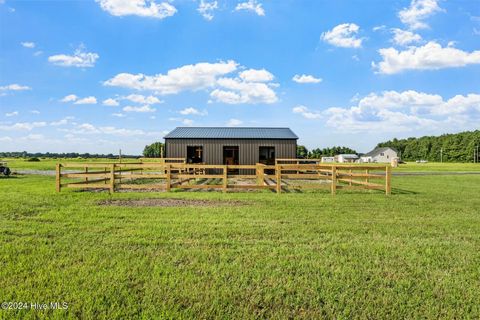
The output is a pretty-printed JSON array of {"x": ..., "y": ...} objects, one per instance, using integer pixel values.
[{"x": 120, "y": 155}]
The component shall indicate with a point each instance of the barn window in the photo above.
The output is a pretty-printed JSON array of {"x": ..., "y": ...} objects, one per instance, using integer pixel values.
[
  {"x": 194, "y": 154},
  {"x": 267, "y": 155}
]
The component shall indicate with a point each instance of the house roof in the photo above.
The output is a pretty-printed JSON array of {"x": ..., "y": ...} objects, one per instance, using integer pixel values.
[
  {"x": 349, "y": 156},
  {"x": 230, "y": 133},
  {"x": 376, "y": 151}
]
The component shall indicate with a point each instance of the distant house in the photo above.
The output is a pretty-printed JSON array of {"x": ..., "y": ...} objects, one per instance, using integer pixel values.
[
  {"x": 346, "y": 158},
  {"x": 231, "y": 145},
  {"x": 380, "y": 155},
  {"x": 328, "y": 159}
]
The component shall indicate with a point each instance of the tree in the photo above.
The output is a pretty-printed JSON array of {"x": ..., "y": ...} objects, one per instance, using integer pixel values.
[
  {"x": 154, "y": 150},
  {"x": 302, "y": 152}
]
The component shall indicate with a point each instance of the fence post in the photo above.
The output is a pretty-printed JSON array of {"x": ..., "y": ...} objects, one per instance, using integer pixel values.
[
  {"x": 58, "y": 172},
  {"x": 168, "y": 171},
  {"x": 367, "y": 173},
  {"x": 278, "y": 177},
  {"x": 350, "y": 182},
  {"x": 334, "y": 180},
  {"x": 112, "y": 178},
  {"x": 388, "y": 177},
  {"x": 86, "y": 172},
  {"x": 225, "y": 179}
]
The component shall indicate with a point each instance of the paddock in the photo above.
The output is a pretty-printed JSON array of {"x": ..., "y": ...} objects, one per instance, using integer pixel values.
[{"x": 173, "y": 173}]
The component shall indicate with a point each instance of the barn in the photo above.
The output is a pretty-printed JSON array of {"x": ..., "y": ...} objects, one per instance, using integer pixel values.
[{"x": 231, "y": 145}]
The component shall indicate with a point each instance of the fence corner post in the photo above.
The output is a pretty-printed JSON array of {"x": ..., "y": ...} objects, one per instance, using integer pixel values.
[
  {"x": 58, "y": 173},
  {"x": 112, "y": 178},
  {"x": 334, "y": 180},
  {"x": 388, "y": 180},
  {"x": 225, "y": 178},
  {"x": 168, "y": 171},
  {"x": 278, "y": 177}
]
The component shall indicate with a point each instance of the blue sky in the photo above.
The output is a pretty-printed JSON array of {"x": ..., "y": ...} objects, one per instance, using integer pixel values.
[{"x": 97, "y": 76}]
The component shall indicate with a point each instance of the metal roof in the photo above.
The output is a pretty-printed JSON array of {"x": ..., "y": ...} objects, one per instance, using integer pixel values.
[
  {"x": 230, "y": 133},
  {"x": 376, "y": 151}
]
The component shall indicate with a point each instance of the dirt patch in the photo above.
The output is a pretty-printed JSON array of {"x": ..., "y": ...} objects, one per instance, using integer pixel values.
[{"x": 169, "y": 203}]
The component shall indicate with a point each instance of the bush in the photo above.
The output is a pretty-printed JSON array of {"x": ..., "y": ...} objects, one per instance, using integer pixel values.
[{"x": 33, "y": 159}]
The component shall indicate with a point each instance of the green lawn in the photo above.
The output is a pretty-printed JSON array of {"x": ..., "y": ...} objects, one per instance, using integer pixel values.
[{"x": 415, "y": 254}]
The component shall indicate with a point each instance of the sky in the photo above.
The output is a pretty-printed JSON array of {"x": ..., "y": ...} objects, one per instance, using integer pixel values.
[{"x": 99, "y": 76}]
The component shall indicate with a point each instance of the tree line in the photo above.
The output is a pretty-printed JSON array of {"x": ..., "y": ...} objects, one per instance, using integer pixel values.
[
  {"x": 317, "y": 153},
  {"x": 457, "y": 147},
  {"x": 25, "y": 154}
]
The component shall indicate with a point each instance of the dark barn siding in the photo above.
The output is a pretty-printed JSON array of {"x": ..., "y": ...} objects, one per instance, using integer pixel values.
[{"x": 213, "y": 148}]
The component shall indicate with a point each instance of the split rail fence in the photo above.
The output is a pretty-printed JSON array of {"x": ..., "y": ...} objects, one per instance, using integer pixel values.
[{"x": 168, "y": 174}]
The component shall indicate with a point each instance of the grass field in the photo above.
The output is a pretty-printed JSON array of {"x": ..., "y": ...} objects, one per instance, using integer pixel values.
[{"x": 415, "y": 254}]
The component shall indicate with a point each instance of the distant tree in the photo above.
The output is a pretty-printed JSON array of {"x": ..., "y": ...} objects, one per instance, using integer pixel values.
[
  {"x": 330, "y": 152},
  {"x": 153, "y": 150},
  {"x": 302, "y": 152}
]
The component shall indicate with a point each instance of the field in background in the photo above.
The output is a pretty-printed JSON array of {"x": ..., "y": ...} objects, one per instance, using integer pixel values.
[
  {"x": 299, "y": 255},
  {"x": 49, "y": 164}
]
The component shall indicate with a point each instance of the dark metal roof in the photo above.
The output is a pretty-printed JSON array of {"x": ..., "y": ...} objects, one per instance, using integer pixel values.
[
  {"x": 230, "y": 133},
  {"x": 377, "y": 151}
]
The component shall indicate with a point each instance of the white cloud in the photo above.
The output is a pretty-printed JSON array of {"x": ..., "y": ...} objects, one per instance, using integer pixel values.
[
  {"x": 306, "y": 79},
  {"x": 254, "y": 75},
  {"x": 38, "y": 53},
  {"x": 34, "y": 137},
  {"x": 251, "y": 5},
  {"x": 239, "y": 91},
  {"x": 118, "y": 115},
  {"x": 29, "y": 45},
  {"x": 69, "y": 98},
  {"x": 22, "y": 126},
  {"x": 110, "y": 102},
  {"x": 193, "y": 111},
  {"x": 5, "y": 139},
  {"x": 306, "y": 113},
  {"x": 404, "y": 37},
  {"x": 379, "y": 28},
  {"x": 145, "y": 108},
  {"x": 343, "y": 35},
  {"x": 61, "y": 122},
  {"x": 142, "y": 8},
  {"x": 79, "y": 59},
  {"x": 88, "y": 128},
  {"x": 138, "y": 98},
  {"x": 11, "y": 114},
  {"x": 234, "y": 123},
  {"x": 393, "y": 111},
  {"x": 35, "y": 111},
  {"x": 431, "y": 56},
  {"x": 184, "y": 121},
  {"x": 86, "y": 100},
  {"x": 189, "y": 77},
  {"x": 14, "y": 87},
  {"x": 206, "y": 9},
  {"x": 418, "y": 11}
]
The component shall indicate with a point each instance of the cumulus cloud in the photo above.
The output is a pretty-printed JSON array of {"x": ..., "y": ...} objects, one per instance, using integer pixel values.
[
  {"x": 431, "y": 56},
  {"x": 206, "y": 9},
  {"x": 393, "y": 111},
  {"x": 254, "y": 75},
  {"x": 184, "y": 121},
  {"x": 86, "y": 100},
  {"x": 306, "y": 113},
  {"x": 142, "y": 8},
  {"x": 118, "y": 115},
  {"x": 251, "y": 5},
  {"x": 61, "y": 122},
  {"x": 69, "y": 98},
  {"x": 14, "y": 87},
  {"x": 141, "y": 99},
  {"x": 88, "y": 128},
  {"x": 343, "y": 35},
  {"x": 417, "y": 12},
  {"x": 79, "y": 59},
  {"x": 306, "y": 79},
  {"x": 235, "y": 91},
  {"x": 11, "y": 114},
  {"x": 234, "y": 123},
  {"x": 193, "y": 111},
  {"x": 404, "y": 37},
  {"x": 189, "y": 77},
  {"x": 23, "y": 126},
  {"x": 28, "y": 44},
  {"x": 142, "y": 109},
  {"x": 110, "y": 102}
]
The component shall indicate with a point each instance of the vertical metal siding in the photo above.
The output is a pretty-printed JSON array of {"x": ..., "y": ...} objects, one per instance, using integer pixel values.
[{"x": 213, "y": 148}]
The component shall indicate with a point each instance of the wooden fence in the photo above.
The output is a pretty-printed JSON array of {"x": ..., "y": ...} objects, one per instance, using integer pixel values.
[{"x": 167, "y": 175}]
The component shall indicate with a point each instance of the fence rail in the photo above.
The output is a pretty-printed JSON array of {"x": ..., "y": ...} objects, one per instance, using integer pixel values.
[{"x": 167, "y": 175}]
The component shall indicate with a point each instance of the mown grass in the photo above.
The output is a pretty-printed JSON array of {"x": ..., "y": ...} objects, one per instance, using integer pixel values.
[{"x": 304, "y": 255}]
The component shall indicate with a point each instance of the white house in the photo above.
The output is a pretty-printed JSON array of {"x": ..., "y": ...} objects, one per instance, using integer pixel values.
[
  {"x": 346, "y": 158},
  {"x": 328, "y": 159},
  {"x": 380, "y": 155}
]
